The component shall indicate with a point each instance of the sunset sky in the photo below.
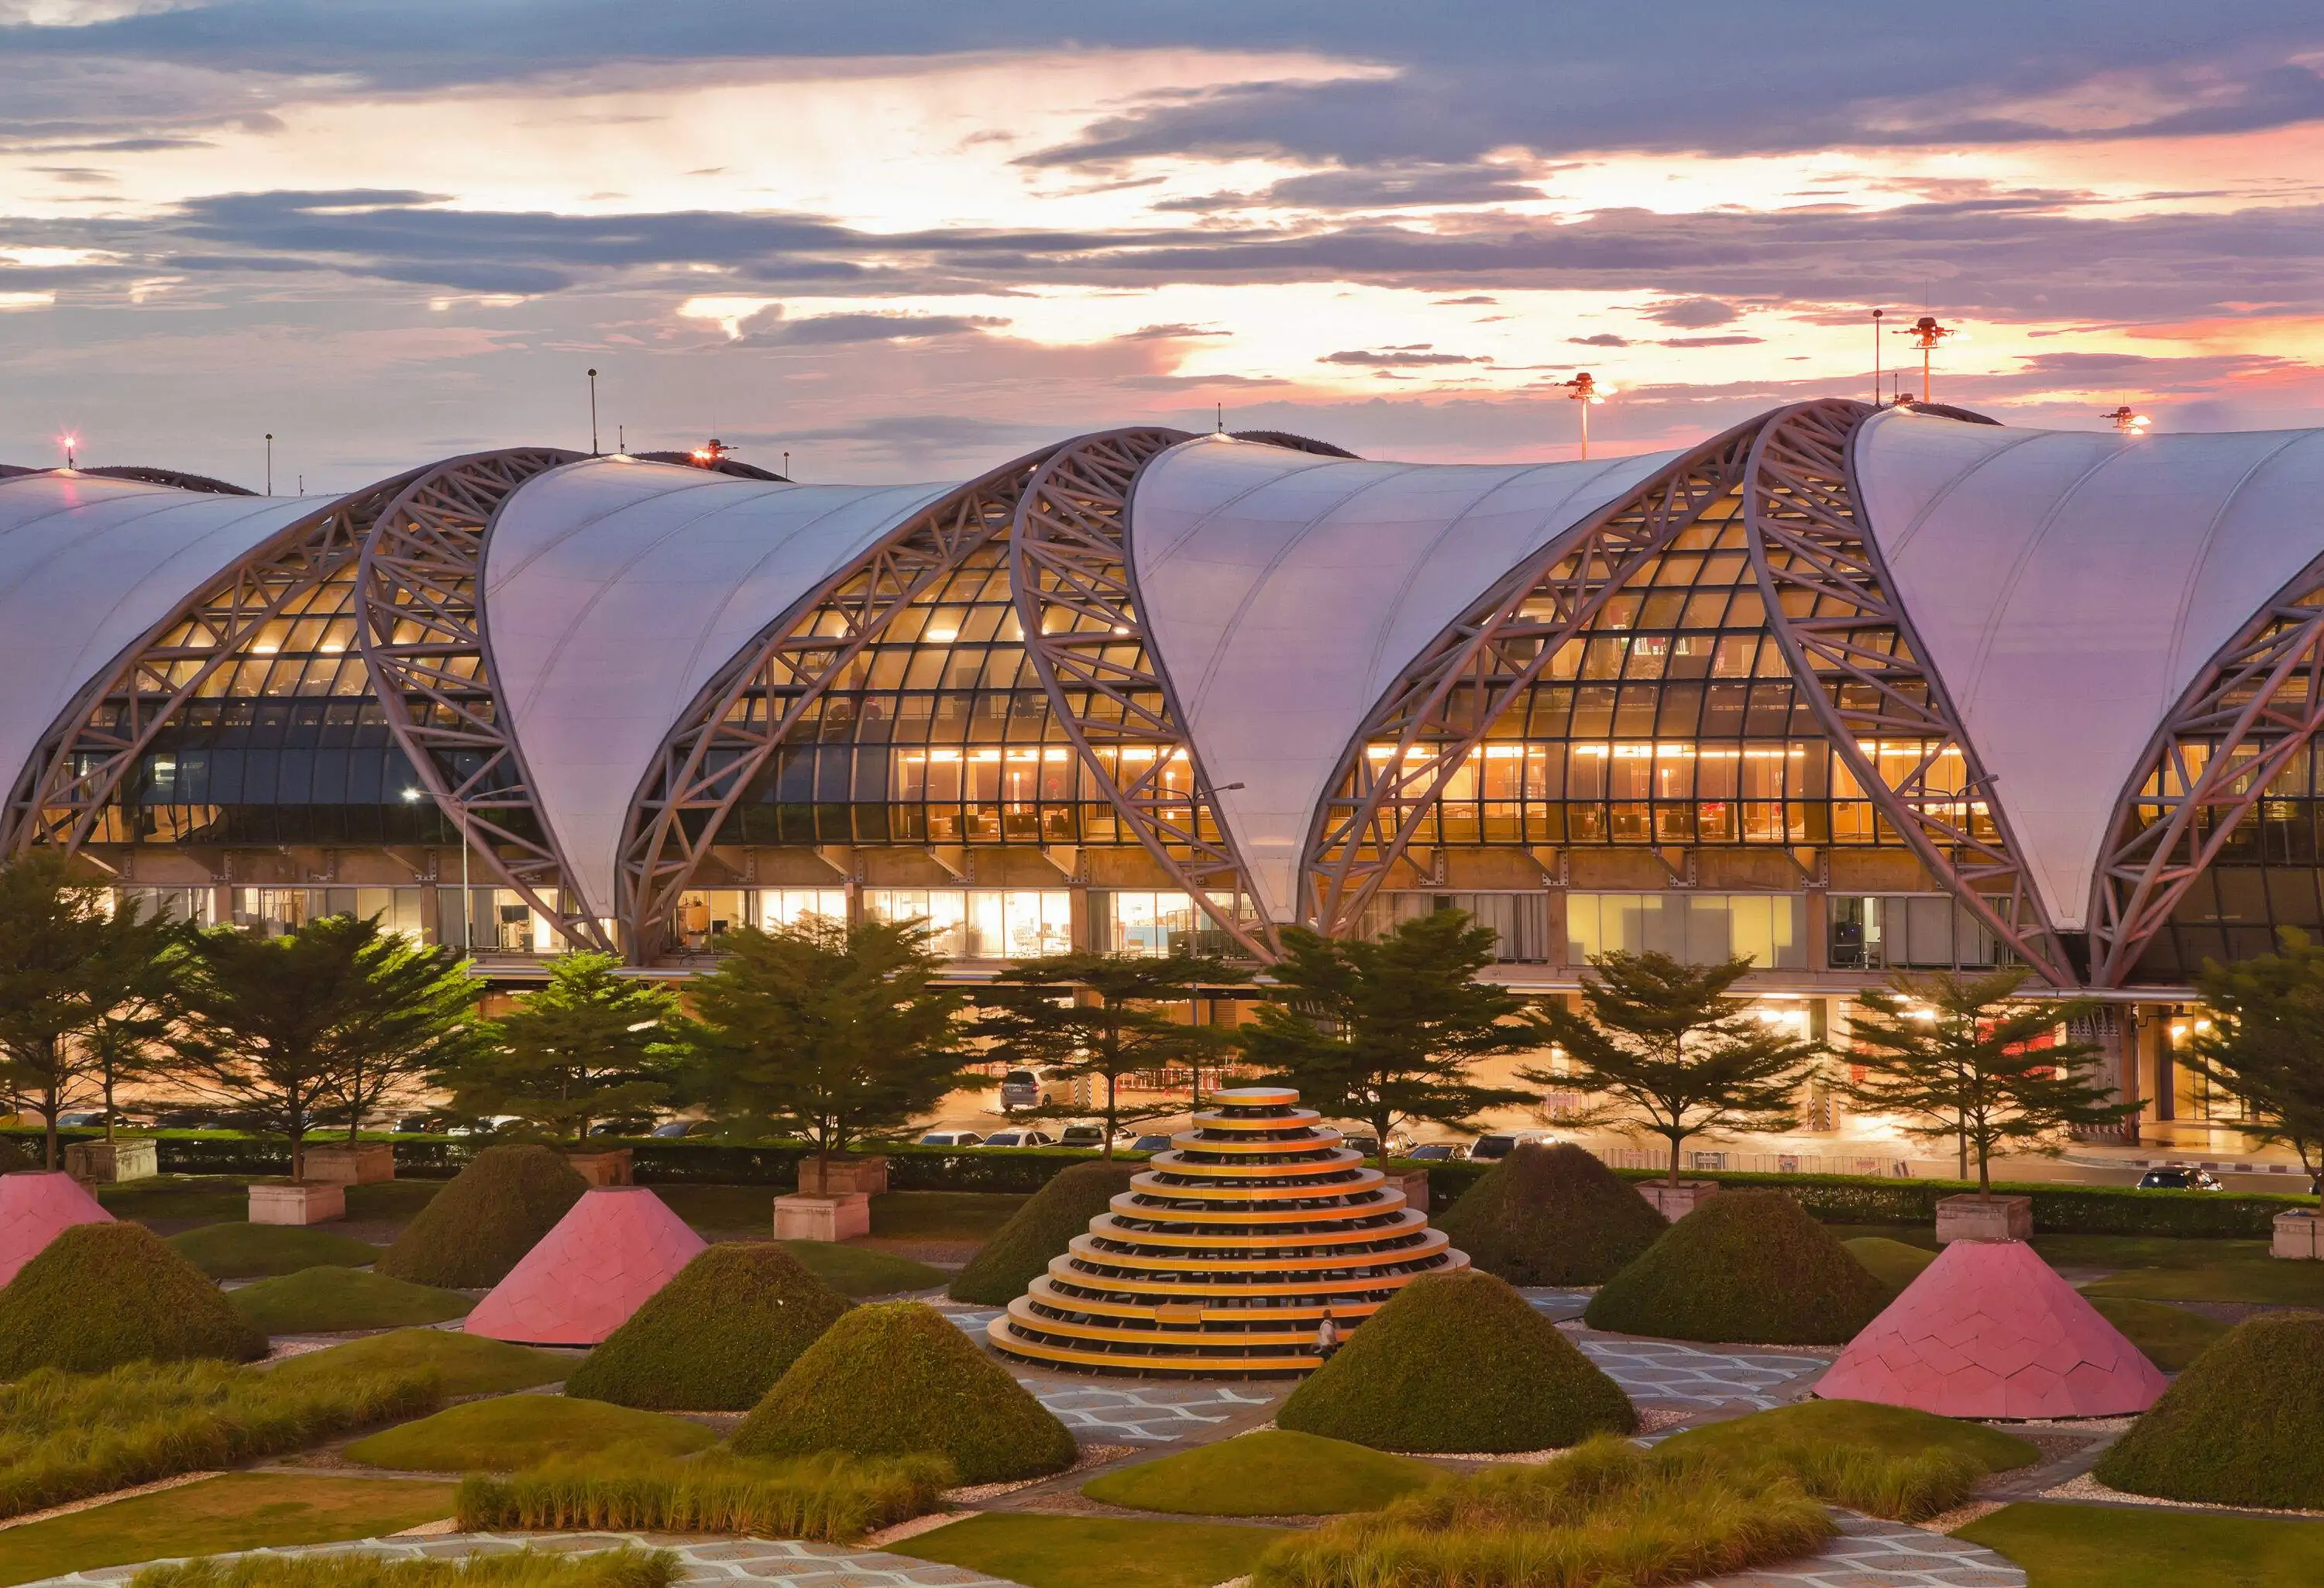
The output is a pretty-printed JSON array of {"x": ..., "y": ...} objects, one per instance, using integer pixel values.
[{"x": 904, "y": 240}]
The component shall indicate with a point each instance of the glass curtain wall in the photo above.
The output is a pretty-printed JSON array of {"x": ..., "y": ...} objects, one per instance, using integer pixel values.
[{"x": 2266, "y": 876}]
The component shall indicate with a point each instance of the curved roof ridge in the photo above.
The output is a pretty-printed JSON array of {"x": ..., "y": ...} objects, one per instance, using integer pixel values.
[
  {"x": 2176, "y": 666},
  {"x": 1316, "y": 460},
  {"x": 1905, "y": 537}
]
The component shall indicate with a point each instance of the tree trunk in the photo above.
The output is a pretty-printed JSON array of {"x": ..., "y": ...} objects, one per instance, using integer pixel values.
[
  {"x": 1674, "y": 1140},
  {"x": 49, "y": 1116},
  {"x": 1984, "y": 1173},
  {"x": 297, "y": 1152},
  {"x": 108, "y": 1105},
  {"x": 1111, "y": 1112},
  {"x": 1963, "y": 1138}
]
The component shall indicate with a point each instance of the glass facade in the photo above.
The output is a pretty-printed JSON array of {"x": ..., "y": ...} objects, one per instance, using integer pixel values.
[
  {"x": 1908, "y": 931},
  {"x": 1702, "y": 929},
  {"x": 1520, "y": 921},
  {"x": 2266, "y": 876},
  {"x": 983, "y": 923},
  {"x": 273, "y": 911}
]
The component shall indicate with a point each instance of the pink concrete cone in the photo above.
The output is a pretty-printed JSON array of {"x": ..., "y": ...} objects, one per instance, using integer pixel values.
[
  {"x": 582, "y": 1281},
  {"x": 1989, "y": 1330},
  {"x": 35, "y": 1205}
]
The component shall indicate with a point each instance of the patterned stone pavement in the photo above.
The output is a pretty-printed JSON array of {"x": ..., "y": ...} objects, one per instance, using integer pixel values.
[
  {"x": 1870, "y": 1553},
  {"x": 1663, "y": 1372},
  {"x": 741, "y": 1563},
  {"x": 1155, "y": 1412},
  {"x": 1556, "y": 1304}
]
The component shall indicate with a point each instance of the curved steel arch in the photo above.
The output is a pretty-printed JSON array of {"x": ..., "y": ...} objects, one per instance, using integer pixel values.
[
  {"x": 1077, "y": 601},
  {"x": 719, "y": 746},
  {"x": 177, "y": 479},
  {"x": 74, "y": 770},
  {"x": 1830, "y": 605},
  {"x": 1491, "y": 656},
  {"x": 420, "y": 622},
  {"x": 2255, "y": 705},
  {"x": 1291, "y": 443}
]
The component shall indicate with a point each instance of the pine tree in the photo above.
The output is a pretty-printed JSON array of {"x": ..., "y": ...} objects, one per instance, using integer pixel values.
[
  {"x": 1669, "y": 1050},
  {"x": 1117, "y": 1019},
  {"x": 2264, "y": 1044},
  {"x": 1387, "y": 1030},
  {"x": 590, "y": 1045},
  {"x": 1977, "y": 1062},
  {"x": 834, "y": 1031}
]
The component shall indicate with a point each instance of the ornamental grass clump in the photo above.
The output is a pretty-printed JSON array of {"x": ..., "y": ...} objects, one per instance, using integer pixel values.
[
  {"x": 833, "y": 1497},
  {"x": 626, "y": 1567},
  {"x": 717, "y": 1337},
  {"x": 64, "y": 1436},
  {"x": 102, "y": 1295},
  {"x": 1551, "y": 1215},
  {"x": 1019, "y": 1253},
  {"x": 1745, "y": 1266},
  {"x": 2238, "y": 1427},
  {"x": 898, "y": 1379},
  {"x": 1458, "y": 1363},
  {"x": 1609, "y": 1513},
  {"x": 478, "y": 1227}
]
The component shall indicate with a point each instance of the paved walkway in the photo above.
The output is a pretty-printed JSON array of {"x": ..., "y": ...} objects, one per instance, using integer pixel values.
[
  {"x": 1665, "y": 1373},
  {"x": 1870, "y": 1553}
]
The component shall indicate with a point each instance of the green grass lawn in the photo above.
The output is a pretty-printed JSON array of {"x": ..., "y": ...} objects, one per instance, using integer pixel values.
[
  {"x": 942, "y": 1215},
  {"x": 723, "y": 1210},
  {"x": 1077, "y": 1552},
  {"x": 178, "y": 1196},
  {"x": 857, "y": 1270},
  {"x": 324, "y": 1300},
  {"x": 1892, "y": 1430},
  {"x": 250, "y": 1251},
  {"x": 2170, "y": 1336},
  {"x": 2094, "y": 1546},
  {"x": 239, "y": 1510},
  {"x": 1894, "y": 1264},
  {"x": 510, "y": 1432},
  {"x": 1271, "y": 1474},
  {"x": 464, "y": 1364},
  {"x": 2151, "y": 1268},
  {"x": 396, "y": 1200}
]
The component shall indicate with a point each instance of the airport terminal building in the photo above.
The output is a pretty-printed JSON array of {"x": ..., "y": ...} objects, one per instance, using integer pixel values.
[{"x": 1846, "y": 690}]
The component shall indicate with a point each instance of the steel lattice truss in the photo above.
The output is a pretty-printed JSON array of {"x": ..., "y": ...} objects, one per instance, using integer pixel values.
[
  {"x": 2248, "y": 714},
  {"x": 1077, "y": 597},
  {"x": 420, "y": 622},
  {"x": 746, "y": 712},
  {"x": 1446, "y": 703},
  {"x": 1828, "y": 606},
  {"x": 80, "y": 763}
]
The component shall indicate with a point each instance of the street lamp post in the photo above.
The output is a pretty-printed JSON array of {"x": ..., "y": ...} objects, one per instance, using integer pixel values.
[
  {"x": 1585, "y": 390},
  {"x": 593, "y": 413},
  {"x": 270, "y": 463}
]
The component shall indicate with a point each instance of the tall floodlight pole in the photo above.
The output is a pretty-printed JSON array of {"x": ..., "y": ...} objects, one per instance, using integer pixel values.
[
  {"x": 1876, "y": 355},
  {"x": 270, "y": 463},
  {"x": 2128, "y": 420},
  {"x": 1926, "y": 334},
  {"x": 593, "y": 413},
  {"x": 69, "y": 443},
  {"x": 1585, "y": 390}
]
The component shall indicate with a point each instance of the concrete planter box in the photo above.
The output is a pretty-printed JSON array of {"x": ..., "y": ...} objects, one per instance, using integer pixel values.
[
  {"x": 1414, "y": 1186},
  {"x": 360, "y": 1163},
  {"x": 108, "y": 1163},
  {"x": 2295, "y": 1237},
  {"x": 1975, "y": 1218},
  {"x": 1675, "y": 1201},
  {"x": 802, "y": 1217},
  {"x": 304, "y": 1203},
  {"x": 843, "y": 1176},
  {"x": 614, "y": 1167}
]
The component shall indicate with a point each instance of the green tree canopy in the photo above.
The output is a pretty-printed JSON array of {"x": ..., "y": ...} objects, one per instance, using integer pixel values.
[
  {"x": 1668, "y": 1049},
  {"x": 2266, "y": 1044},
  {"x": 1388, "y": 1029},
  {"x": 1121, "y": 1015},
  {"x": 326, "y": 1020},
  {"x": 833, "y": 1031},
  {"x": 1975, "y": 1062},
  {"x": 590, "y": 1045},
  {"x": 70, "y": 966}
]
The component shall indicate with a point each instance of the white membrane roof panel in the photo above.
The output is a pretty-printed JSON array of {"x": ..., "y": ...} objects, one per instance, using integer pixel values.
[
  {"x": 1286, "y": 592},
  {"x": 614, "y": 589},
  {"x": 88, "y": 565},
  {"x": 2068, "y": 588}
]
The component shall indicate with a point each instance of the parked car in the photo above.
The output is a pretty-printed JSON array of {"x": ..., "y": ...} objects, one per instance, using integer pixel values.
[
  {"x": 1368, "y": 1145},
  {"x": 674, "y": 1129},
  {"x": 1150, "y": 1144},
  {"x": 419, "y": 1125},
  {"x": 92, "y": 1120},
  {"x": 951, "y": 1138},
  {"x": 1018, "y": 1139},
  {"x": 1494, "y": 1146},
  {"x": 1435, "y": 1152},
  {"x": 1032, "y": 1089},
  {"x": 1089, "y": 1135},
  {"x": 2180, "y": 1177}
]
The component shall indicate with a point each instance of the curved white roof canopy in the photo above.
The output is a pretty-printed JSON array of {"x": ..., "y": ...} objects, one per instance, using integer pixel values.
[
  {"x": 2068, "y": 586},
  {"x": 1286, "y": 592},
  {"x": 88, "y": 565},
  {"x": 613, "y": 590}
]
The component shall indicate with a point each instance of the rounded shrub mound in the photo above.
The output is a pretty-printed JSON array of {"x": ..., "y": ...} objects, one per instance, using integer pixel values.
[
  {"x": 1551, "y": 1215},
  {"x": 1747, "y": 1267},
  {"x": 2238, "y": 1427},
  {"x": 473, "y": 1232},
  {"x": 1020, "y": 1253},
  {"x": 899, "y": 1379},
  {"x": 717, "y": 1337},
  {"x": 1273, "y": 1473},
  {"x": 1458, "y": 1363},
  {"x": 102, "y": 1295},
  {"x": 238, "y": 1250}
]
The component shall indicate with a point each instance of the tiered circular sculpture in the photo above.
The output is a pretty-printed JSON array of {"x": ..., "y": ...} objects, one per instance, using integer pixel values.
[{"x": 1223, "y": 1255}]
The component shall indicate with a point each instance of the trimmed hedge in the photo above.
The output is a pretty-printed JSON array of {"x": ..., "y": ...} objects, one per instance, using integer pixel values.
[
  {"x": 2238, "y": 1427},
  {"x": 898, "y": 1378},
  {"x": 476, "y": 1228},
  {"x": 1744, "y": 1267},
  {"x": 1458, "y": 1363},
  {"x": 101, "y": 1295},
  {"x": 1019, "y": 1253},
  {"x": 717, "y": 1337},
  {"x": 1552, "y": 1215}
]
